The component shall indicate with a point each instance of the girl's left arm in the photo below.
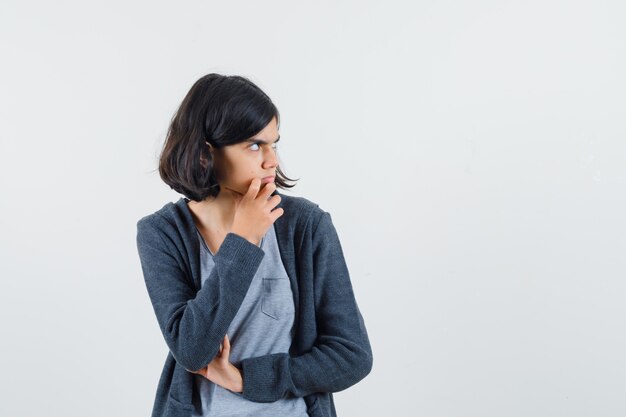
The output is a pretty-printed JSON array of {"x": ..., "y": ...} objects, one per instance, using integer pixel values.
[{"x": 342, "y": 354}]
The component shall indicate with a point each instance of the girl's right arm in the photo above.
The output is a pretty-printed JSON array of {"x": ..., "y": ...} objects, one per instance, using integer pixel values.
[{"x": 194, "y": 323}]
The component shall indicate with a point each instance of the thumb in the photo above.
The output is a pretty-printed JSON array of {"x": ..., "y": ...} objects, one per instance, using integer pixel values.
[
  {"x": 226, "y": 343},
  {"x": 226, "y": 352}
]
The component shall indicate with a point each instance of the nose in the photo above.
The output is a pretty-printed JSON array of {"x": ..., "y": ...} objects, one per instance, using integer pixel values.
[{"x": 271, "y": 160}]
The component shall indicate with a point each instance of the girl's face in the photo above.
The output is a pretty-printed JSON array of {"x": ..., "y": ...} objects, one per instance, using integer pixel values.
[{"x": 237, "y": 165}]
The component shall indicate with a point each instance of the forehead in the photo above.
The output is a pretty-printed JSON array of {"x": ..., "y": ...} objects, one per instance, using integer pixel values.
[
  {"x": 271, "y": 127},
  {"x": 268, "y": 134}
]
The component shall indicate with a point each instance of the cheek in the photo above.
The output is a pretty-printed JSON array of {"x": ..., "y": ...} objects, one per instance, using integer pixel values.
[
  {"x": 241, "y": 169},
  {"x": 242, "y": 176}
]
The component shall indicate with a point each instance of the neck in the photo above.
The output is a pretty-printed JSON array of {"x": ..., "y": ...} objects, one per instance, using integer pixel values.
[{"x": 214, "y": 214}]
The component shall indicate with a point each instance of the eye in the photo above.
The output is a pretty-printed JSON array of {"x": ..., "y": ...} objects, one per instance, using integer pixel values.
[{"x": 259, "y": 143}]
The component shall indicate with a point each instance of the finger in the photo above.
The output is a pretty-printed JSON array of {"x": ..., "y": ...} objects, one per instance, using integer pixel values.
[
  {"x": 253, "y": 190},
  {"x": 276, "y": 213},
  {"x": 274, "y": 200},
  {"x": 267, "y": 190}
]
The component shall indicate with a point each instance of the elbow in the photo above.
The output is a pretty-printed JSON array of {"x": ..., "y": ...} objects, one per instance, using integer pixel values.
[
  {"x": 192, "y": 348},
  {"x": 186, "y": 361},
  {"x": 359, "y": 367},
  {"x": 369, "y": 362},
  {"x": 190, "y": 358},
  {"x": 191, "y": 363},
  {"x": 364, "y": 360},
  {"x": 365, "y": 363}
]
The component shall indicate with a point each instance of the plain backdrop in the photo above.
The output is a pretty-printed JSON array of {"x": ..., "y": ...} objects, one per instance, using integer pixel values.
[{"x": 472, "y": 156}]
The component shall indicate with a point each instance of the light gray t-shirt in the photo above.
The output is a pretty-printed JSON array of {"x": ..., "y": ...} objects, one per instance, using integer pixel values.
[{"x": 263, "y": 325}]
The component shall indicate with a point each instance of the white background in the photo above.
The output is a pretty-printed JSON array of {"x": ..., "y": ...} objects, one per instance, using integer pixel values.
[{"x": 472, "y": 156}]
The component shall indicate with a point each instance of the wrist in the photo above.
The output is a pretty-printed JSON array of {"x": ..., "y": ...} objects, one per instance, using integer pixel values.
[{"x": 239, "y": 387}]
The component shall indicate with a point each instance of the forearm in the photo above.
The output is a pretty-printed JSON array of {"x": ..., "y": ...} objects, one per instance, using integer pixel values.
[{"x": 332, "y": 365}]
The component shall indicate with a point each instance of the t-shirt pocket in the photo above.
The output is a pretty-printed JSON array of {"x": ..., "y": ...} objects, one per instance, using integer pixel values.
[{"x": 277, "y": 300}]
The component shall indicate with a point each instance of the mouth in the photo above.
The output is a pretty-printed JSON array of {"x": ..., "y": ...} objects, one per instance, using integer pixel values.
[{"x": 267, "y": 179}]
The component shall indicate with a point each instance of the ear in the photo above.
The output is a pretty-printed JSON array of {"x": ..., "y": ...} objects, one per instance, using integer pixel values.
[{"x": 203, "y": 160}]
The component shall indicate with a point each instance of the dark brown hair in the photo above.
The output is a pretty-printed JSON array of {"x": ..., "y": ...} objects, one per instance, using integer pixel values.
[{"x": 221, "y": 110}]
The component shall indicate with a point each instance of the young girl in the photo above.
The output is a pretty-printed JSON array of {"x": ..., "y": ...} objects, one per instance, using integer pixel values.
[{"x": 249, "y": 286}]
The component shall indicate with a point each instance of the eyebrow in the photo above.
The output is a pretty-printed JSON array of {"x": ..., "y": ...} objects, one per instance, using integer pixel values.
[{"x": 255, "y": 140}]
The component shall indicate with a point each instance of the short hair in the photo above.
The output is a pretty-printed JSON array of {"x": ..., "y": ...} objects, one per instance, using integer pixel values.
[{"x": 221, "y": 110}]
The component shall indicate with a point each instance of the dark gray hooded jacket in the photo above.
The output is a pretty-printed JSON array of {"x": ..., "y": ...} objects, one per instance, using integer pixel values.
[{"x": 330, "y": 350}]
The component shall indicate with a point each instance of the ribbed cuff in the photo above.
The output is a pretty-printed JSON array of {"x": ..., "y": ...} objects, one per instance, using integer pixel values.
[
  {"x": 260, "y": 378},
  {"x": 239, "y": 250}
]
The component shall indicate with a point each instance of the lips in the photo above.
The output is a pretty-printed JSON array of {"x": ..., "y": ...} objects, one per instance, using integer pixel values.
[{"x": 268, "y": 179}]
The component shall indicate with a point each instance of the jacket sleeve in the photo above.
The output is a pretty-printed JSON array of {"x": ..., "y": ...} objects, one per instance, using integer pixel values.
[
  {"x": 342, "y": 354},
  {"x": 193, "y": 322}
]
